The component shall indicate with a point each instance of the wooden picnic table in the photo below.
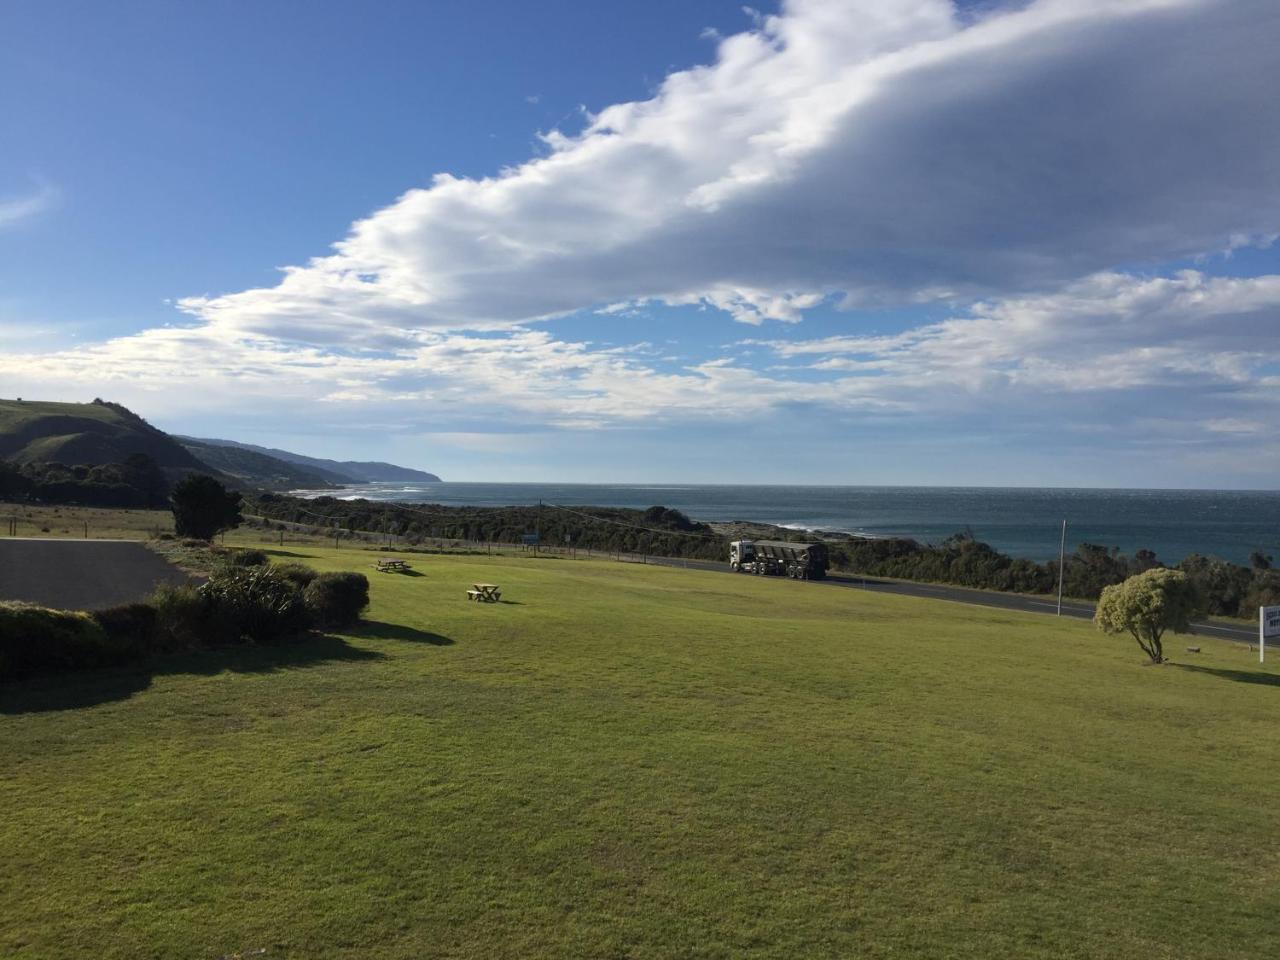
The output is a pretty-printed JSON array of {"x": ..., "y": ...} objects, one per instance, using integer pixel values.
[
  {"x": 484, "y": 593},
  {"x": 388, "y": 564}
]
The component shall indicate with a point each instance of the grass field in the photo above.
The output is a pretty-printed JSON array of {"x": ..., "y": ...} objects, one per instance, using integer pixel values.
[{"x": 628, "y": 761}]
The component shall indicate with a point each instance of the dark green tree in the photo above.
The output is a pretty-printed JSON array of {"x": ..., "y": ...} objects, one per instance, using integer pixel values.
[
  {"x": 143, "y": 473},
  {"x": 202, "y": 507}
]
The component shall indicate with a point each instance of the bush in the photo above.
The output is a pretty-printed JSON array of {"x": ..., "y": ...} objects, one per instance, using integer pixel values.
[
  {"x": 187, "y": 620},
  {"x": 38, "y": 640},
  {"x": 248, "y": 558},
  {"x": 299, "y": 574},
  {"x": 263, "y": 606},
  {"x": 337, "y": 599},
  {"x": 131, "y": 628}
]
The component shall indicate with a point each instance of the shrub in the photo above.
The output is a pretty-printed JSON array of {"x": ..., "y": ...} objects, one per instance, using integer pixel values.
[
  {"x": 337, "y": 599},
  {"x": 186, "y": 620},
  {"x": 38, "y": 640},
  {"x": 263, "y": 606},
  {"x": 299, "y": 574},
  {"x": 131, "y": 628},
  {"x": 248, "y": 558}
]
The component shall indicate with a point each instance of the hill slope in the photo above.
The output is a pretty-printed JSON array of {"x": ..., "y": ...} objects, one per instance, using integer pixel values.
[
  {"x": 88, "y": 433},
  {"x": 336, "y": 471},
  {"x": 258, "y": 469}
]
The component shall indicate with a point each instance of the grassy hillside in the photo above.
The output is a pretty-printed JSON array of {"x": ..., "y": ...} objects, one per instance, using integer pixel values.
[
  {"x": 88, "y": 433},
  {"x": 338, "y": 471},
  {"x": 627, "y": 761},
  {"x": 256, "y": 469}
]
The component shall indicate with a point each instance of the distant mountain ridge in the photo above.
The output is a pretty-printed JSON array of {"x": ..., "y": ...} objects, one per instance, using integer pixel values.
[
  {"x": 339, "y": 472},
  {"x": 258, "y": 469}
]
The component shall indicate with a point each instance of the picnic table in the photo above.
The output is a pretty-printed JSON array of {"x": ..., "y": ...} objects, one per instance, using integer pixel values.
[
  {"x": 389, "y": 565},
  {"x": 484, "y": 593}
]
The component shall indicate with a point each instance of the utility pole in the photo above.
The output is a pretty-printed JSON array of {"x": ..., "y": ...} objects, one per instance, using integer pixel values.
[
  {"x": 537, "y": 529},
  {"x": 1062, "y": 552}
]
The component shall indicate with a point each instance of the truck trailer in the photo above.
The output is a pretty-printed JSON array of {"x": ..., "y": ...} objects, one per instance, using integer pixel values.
[{"x": 776, "y": 558}]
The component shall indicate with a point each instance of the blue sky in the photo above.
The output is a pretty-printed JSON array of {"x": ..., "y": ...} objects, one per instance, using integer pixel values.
[{"x": 830, "y": 241}]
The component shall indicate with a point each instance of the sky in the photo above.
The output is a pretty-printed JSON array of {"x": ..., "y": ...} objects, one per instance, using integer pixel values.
[{"x": 814, "y": 241}]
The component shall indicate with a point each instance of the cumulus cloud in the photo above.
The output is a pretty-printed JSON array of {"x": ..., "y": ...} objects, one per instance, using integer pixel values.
[
  {"x": 1118, "y": 348},
  {"x": 1121, "y": 351},
  {"x": 855, "y": 152},
  {"x": 875, "y": 150}
]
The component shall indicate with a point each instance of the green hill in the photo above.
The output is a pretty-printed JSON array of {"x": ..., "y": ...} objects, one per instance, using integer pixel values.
[
  {"x": 86, "y": 433},
  {"x": 257, "y": 469},
  {"x": 336, "y": 471}
]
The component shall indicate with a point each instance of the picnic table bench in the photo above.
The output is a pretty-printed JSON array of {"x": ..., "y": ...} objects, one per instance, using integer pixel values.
[
  {"x": 484, "y": 593},
  {"x": 388, "y": 565}
]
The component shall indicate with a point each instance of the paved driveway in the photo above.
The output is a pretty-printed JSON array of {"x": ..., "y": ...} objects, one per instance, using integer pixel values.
[{"x": 81, "y": 574}]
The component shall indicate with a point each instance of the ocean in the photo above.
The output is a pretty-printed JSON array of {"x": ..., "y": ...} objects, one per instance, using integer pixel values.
[{"x": 1022, "y": 522}]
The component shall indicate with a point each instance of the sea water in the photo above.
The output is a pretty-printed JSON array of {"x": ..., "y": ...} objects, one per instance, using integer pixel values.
[{"x": 1022, "y": 522}]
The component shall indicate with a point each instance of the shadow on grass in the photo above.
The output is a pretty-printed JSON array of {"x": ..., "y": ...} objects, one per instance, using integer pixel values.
[
  {"x": 92, "y": 687},
  {"x": 404, "y": 573},
  {"x": 377, "y": 630},
  {"x": 1239, "y": 676}
]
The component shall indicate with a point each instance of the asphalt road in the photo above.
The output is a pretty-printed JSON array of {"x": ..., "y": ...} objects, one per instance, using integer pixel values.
[
  {"x": 1004, "y": 601},
  {"x": 81, "y": 574}
]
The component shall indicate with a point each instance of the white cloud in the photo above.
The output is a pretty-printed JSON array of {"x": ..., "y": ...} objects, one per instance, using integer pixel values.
[
  {"x": 16, "y": 210},
  {"x": 1114, "y": 347},
  {"x": 866, "y": 151},
  {"x": 880, "y": 149}
]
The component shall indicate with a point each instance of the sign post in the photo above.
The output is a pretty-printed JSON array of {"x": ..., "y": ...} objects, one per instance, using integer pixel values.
[{"x": 1268, "y": 629}]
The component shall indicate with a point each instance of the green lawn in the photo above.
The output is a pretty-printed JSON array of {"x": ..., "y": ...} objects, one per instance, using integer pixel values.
[{"x": 629, "y": 761}]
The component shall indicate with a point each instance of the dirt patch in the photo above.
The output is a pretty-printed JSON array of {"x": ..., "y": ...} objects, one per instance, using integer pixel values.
[{"x": 81, "y": 574}]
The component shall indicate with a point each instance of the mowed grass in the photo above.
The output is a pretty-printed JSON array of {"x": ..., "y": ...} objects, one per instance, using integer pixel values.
[{"x": 630, "y": 761}]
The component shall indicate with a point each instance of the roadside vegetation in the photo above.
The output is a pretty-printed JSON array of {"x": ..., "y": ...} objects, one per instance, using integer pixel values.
[
  {"x": 1227, "y": 589},
  {"x": 244, "y": 600},
  {"x": 620, "y": 760}
]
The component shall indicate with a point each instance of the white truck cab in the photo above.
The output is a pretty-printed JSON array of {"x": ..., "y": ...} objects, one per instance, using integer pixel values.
[{"x": 740, "y": 552}]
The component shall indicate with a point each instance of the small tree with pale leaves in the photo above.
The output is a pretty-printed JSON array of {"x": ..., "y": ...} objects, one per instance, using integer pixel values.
[{"x": 1146, "y": 606}]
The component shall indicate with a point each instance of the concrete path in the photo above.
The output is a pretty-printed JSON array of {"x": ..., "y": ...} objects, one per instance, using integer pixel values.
[{"x": 81, "y": 574}]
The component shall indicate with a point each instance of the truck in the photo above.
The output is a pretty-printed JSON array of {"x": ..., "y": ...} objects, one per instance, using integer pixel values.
[{"x": 776, "y": 558}]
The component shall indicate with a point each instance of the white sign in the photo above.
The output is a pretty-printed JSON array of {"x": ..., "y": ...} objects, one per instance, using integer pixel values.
[
  {"x": 1268, "y": 629},
  {"x": 1269, "y": 622}
]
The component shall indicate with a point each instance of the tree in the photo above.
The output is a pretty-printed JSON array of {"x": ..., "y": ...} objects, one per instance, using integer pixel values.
[
  {"x": 202, "y": 507},
  {"x": 1147, "y": 605},
  {"x": 142, "y": 472}
]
